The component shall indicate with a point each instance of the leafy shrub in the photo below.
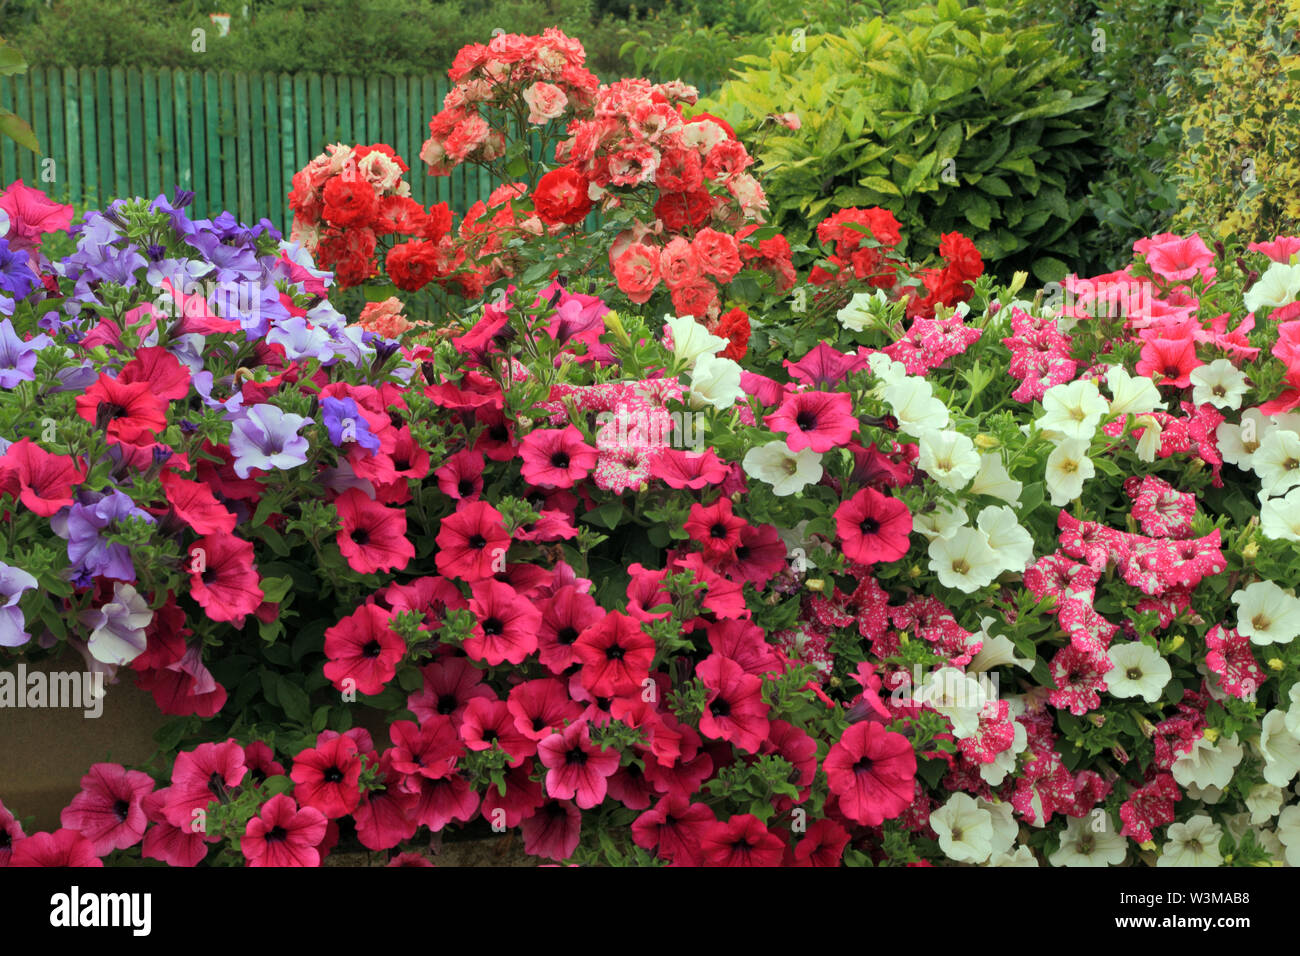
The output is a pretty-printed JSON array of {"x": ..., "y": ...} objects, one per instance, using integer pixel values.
[
  {"x": 398, "y": 37},
  {"x": 1238, "y": 170},
  {"x": 949, "y": 118},
  {"x": 1137, "y": 49}
]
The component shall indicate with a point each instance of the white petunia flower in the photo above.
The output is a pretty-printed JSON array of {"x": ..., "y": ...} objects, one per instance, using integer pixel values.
[
  {"x": 1131, "y": 394},
  {"x": 964, "y": 560},
  {"x": 786, "y": 471},
  {"x": 1022, "y": 857},
  {"x": 1220, "y": 384},
  {"x": 913, "y": 403},
  {"x": 1266, "y": 613},
  {"x": 998, "y": 651},
  {"x": 965, "y": 831},
  {"x": 1137, "y": 671},
  {"x": 691, "y": 340},
  {"x": 1013, "y": 545},
  {"x": 1082, "y": 845},
  {"x": 715, "y": 381},
  {"x": 1072, "y": 410},
  {"x": 1278, "y": 286},
  {"x": 1277, "y": 462},
  {"x": 1068, "y": 467},
  {"x": 949, "y": 457},
  {"x": 1149, "y": 444},
  {"x": 1293, "y": 713},
  {"x": 940, "y": 522},
  {"x": 1239, "y": 442},
  {"x": 886, "y": 369},
  {"x": 994, "y": 480},
  {"x": 1264, "y": 802},
  {"x": 862, "y": 308},
  {"x": 1279, "y": 748},
  {"x": 1288, "y": 833},
  {"x": 1208, "y": 764},
  {"x": 1194, "y": 843},
  {"x": 1279, "y": 518},
  {"x": 957, "y": 696},
  {"x": 1005, "y": 828}
]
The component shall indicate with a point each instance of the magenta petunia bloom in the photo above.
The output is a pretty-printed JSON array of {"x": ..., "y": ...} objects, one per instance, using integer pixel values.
[
  {"x": 108, "y": 810},
  {"x": 32, "y": 214},
  {"x": 283, "y": 835},
  {"x": 873, "y": 527},
  {"x": 201, "y": 776},
  {"x": 327, "y": 777},
  {"x": 553, "y": 831},
  {"x": 62, "y": 848},
  {"x": 872, "y": 772},
  {"x": 372, "y": 537},
  {"x": 735, "y": 710},
  {"x": 556, "y": 457},
  {"x": 363, "y": 649},
  {"x": 577, "y": 769},
  {"x": 505, "y": 628},
  {"x": 817, "y": 420},
  {"x": 615, "y": 655},
  {"x": 741, "y": 841},
  {"x": 472, "y": 543}
]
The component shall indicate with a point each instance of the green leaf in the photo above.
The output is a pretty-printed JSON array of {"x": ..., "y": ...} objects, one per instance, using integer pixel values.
[
  {"x": 294, "y": 701},
  {"x": 1049, "y": 269},
  {"x": 16, "y": 128},
  {"x": 880, "y": 185}
]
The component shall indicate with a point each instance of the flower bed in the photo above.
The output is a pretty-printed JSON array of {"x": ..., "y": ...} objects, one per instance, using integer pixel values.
[{"x": 679, "y": 544}]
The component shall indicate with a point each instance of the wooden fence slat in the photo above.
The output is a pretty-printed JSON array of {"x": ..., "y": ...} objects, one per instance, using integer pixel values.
[
  {"x": 8, "y": 156},
  {"x": 167, "y": 176},
  {"x": 257, "y": 149},
  {"x": 61, "y": 187},
  {"x": 360, "y": 121},
  {"x": 302, "y": 151},
  {"x": 315, "y": 116},
  {"x": 26, "y": 159},
  {"x": 152, "y": 184},
  {"x": 83, "y": 86},
  {"x": 288, "y": 164},
  {"x": 121, "y": 141},
  {"x": 278, "y": 181},
  {"x": 244, "y": 150},
  {"x": 211, "y": 203},
  {"x": 229, "y": 147},
  {"x": 137, "y": 184},
  {"x": 347, "y": 129},
  {"x": 182, "y": 105},
  {"x": 330, "y": 104},
  {"x": 198, "y": 140},
  {"x": 104, "y": 135},
  {"x": 72, "y": 134}
]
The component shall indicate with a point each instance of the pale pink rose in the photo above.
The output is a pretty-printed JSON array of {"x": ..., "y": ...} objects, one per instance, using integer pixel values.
[
  {"x": 545, "y": 103},
  {"x": 469, "y": 134}
]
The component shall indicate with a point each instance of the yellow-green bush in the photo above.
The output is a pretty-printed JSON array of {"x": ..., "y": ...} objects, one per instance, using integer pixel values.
[{"x": 1238, "y": 174}]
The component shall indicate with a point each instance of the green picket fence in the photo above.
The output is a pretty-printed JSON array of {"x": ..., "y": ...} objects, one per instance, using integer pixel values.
[{"x": 234, "y": 139}]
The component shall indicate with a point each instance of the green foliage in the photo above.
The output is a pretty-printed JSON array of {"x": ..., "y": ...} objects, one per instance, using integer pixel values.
[
  {"x": 398, "y": 37},
  {"x": 1139, "y": 49},
  {"x": 946, "y": 115},
  {"x": 1238, "y": 170}
]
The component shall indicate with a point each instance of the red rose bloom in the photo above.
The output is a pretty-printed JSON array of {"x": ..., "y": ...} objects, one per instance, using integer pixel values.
[
  {"x": 561, "y": 197},
  {"x": 412, "y": 265},
  {"x": 349, "y": 202}
]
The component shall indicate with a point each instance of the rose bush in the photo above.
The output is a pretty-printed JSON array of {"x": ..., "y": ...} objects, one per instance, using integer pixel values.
[{"x": 880, "y": 564}]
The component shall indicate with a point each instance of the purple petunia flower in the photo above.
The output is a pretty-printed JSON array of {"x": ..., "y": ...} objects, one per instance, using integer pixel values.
[
  {"x": 300, "y": 340},
  {"x": 16, "y": 276},
  {"x": 18, "y": 357},
  {"x": 265, "y": 437},
  {"x": 83, "y": 526},
  {"x": 13, "y": 583},
  {"x": 346, "y": 424}
]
